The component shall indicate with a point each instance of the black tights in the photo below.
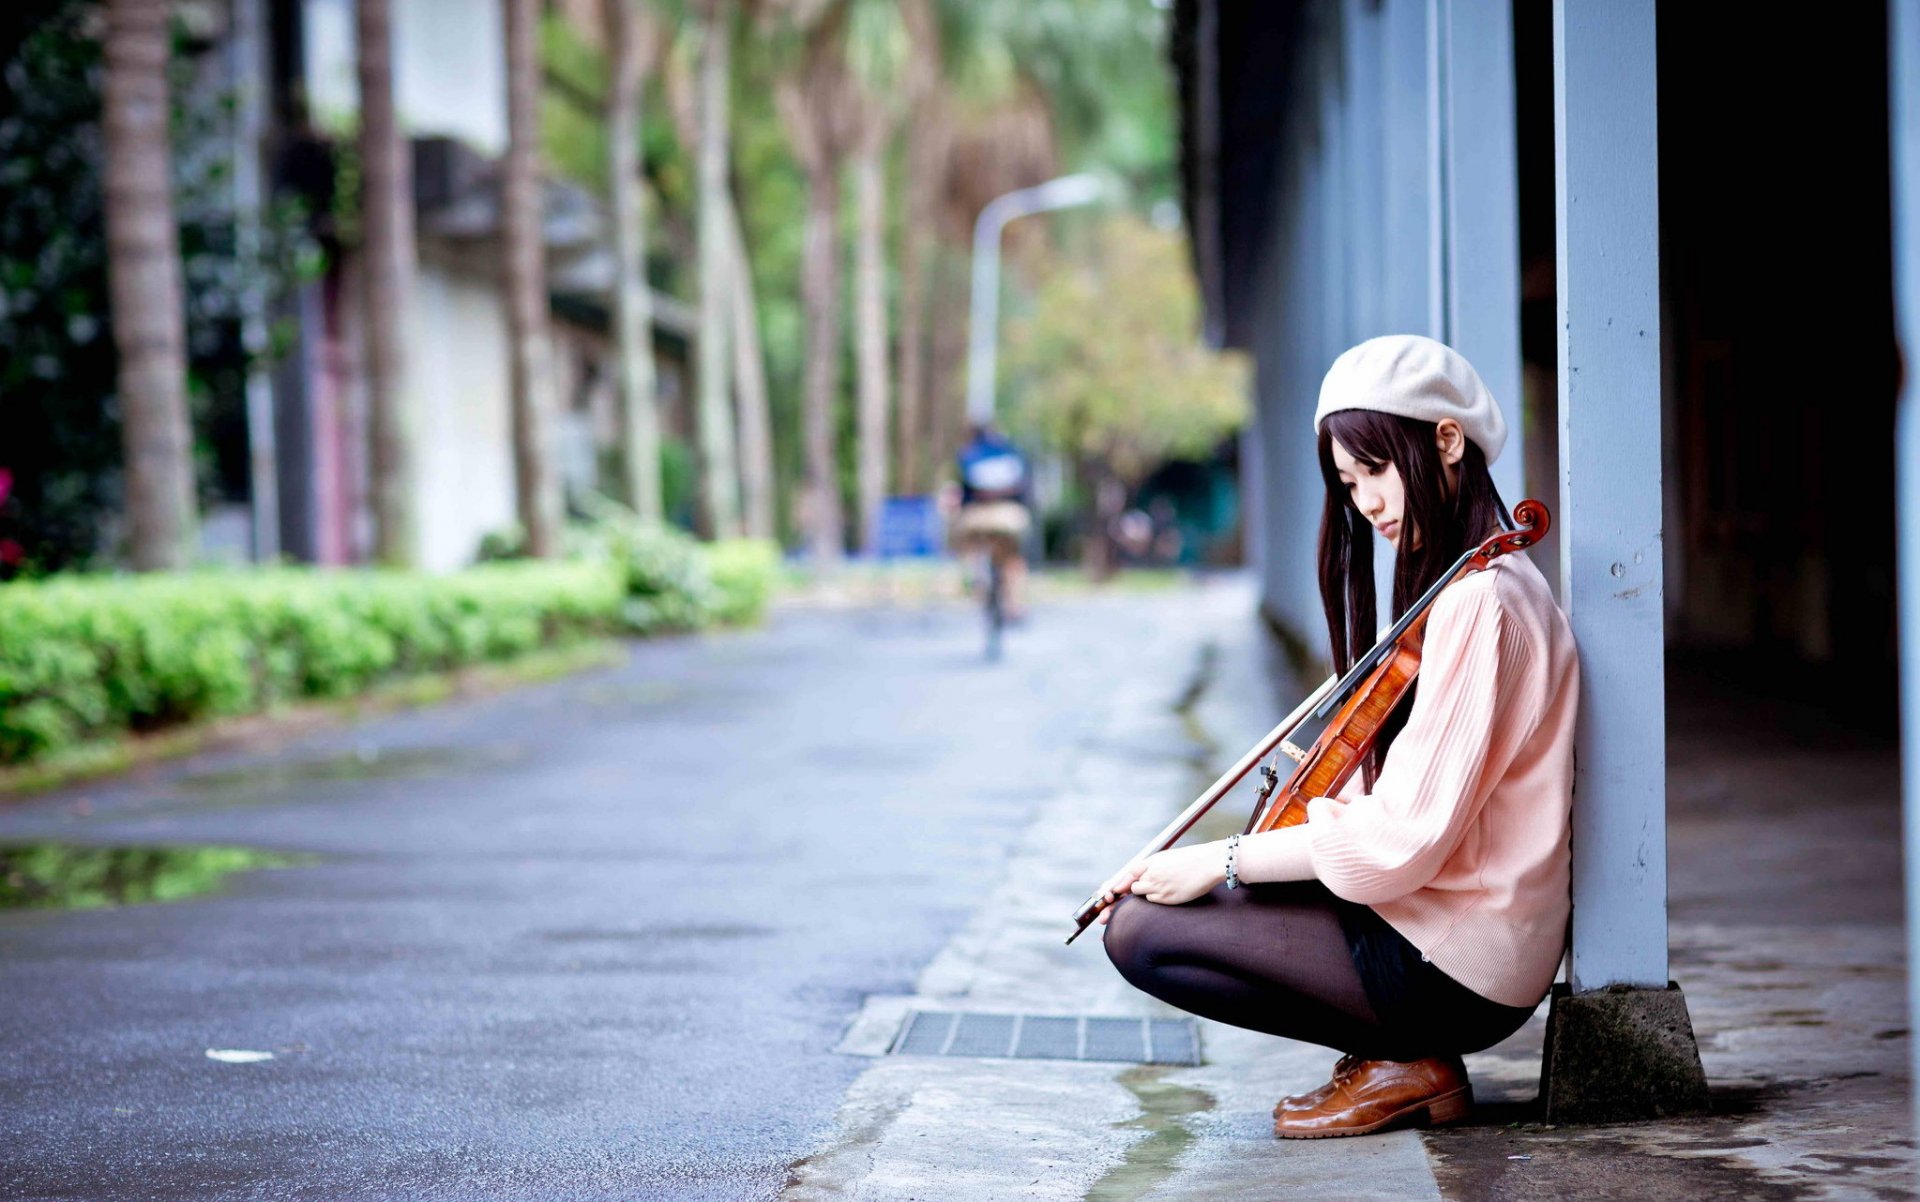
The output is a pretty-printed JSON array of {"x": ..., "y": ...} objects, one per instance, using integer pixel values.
[{"x": 1276, "y": 958}]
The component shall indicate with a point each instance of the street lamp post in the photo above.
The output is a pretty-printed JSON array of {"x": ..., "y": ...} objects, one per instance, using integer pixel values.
[{"x": 983, "y": 320}]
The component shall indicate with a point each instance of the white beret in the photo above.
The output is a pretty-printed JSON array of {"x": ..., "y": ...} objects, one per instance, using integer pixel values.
[{"x": 1414, "y": 376}]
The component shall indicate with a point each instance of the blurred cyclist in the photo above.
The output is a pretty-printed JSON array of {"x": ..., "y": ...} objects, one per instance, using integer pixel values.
[{"x": 994, "y": 515}]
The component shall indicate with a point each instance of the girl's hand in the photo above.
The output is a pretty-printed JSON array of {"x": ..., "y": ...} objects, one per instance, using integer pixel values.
[
  {"x": 1181, "y": 874},
  {"x": 1119, "y": 884}
]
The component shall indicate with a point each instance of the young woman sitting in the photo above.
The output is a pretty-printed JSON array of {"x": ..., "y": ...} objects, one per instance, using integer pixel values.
[{"x": 1421, "y": 913}]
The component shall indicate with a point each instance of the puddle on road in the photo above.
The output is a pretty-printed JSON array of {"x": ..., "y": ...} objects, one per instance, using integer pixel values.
[
  {"x": 70, "y": 876},
  {"x": 270, "y": 781},
  {"x": 1151, "y": 1160}
]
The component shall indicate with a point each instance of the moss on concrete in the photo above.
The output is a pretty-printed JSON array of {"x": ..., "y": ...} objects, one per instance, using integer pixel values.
[{"x": 1619, "y": 1054}]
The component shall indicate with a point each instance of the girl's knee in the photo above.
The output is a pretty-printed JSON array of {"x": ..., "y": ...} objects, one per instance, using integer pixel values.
[{"x": 1124, "y": 937}]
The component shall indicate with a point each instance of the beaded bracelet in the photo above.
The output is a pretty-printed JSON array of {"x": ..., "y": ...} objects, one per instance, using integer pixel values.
[{"x": 1233, "y": 846}]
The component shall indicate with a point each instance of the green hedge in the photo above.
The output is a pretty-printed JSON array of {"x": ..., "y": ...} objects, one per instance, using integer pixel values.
[
  {"x": 87, "y": 656},
  {"x": 743, "y": 572}
]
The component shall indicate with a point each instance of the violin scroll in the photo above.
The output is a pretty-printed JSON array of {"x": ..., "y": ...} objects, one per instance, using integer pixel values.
[{"x": 1533, "y": 522}]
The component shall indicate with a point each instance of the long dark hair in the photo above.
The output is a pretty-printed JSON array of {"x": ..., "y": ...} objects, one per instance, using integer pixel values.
[{"x": 1444, "y": 522}]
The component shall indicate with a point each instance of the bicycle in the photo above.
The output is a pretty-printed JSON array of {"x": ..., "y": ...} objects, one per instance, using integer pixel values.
[
  {"x": 996, "y": 605},
  {"x": 994, "y": 534},
  {"x": 986, "y": 576}
]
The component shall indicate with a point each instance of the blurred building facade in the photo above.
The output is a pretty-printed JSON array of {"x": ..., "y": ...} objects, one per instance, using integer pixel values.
[
  {"x": 1328, "y": 207},
  {"x": 450, "y": 94}
]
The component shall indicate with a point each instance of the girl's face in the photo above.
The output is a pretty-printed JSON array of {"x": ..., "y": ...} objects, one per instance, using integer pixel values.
[{"x": 1375, "y": 490}]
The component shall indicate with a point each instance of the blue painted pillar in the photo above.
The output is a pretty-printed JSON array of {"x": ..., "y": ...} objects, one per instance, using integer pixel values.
[
  {"x": 1363, "y": 139},
  {"x": 1406, "y": 145},
  {"x": 1310, "y": 285},
  {"x": 1607, "y": 210},
  {"x": 1338, "y": 218},
  {"x": 1480, "y": 170},
  {"x": 1412, "y": 225},
  {"x": 1904, "y": 80},
  {"x": 1438, "y": 194}
]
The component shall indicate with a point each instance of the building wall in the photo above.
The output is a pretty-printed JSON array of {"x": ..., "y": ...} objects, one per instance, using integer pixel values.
[
  {"x": 1294, "y": 329},
  {"x": 465, "y": 474},
  {"x": 449, "y": 63},
  {"x": 1362, "y": 237},
  {"x": 1778, "y": 373}
]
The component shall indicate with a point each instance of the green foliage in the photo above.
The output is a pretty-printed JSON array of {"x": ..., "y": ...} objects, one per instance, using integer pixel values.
[
  {"x": 572, "y": 128},
  {"x": 56, "y": 350},
  {"x": 85, "y": 656},
  {"x": 1109, "y": 369},
  {"x": 679, "y": 486},
  {"x": 878, "y": 45},
  {"x": 672, "y": 580},
  {"x": 668, "y": 585},
  {"x": 76, "y": 877},
  {"x": 1100, "y": 64},
  {"x": 743, "y": 572}
]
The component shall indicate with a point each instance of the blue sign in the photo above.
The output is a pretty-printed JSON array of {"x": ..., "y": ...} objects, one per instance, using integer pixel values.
[{"x": 910, "y": 528}]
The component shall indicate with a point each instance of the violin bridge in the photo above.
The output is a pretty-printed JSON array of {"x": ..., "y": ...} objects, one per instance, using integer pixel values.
[{"x": 1292, "y": 752}]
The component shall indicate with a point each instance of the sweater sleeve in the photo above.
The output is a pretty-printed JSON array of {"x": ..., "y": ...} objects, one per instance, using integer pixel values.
[{"x": 1378, "y": 846}]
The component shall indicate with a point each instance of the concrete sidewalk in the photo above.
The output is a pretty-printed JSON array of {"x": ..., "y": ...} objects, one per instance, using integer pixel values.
[{"x": 1786, "y": 936}]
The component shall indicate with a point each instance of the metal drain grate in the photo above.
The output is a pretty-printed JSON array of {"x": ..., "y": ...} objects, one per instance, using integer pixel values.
[{"x": 1048, "y": 1037}]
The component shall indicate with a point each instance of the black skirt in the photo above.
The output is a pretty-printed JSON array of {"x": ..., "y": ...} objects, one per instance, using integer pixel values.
[{"x": 1423, "y": 1010}]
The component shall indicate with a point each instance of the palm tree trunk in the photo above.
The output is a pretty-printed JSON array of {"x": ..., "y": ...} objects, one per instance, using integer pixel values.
[
  {"x": 530, "y": 348},
  {"x": 925, "y": 159},
  {"x": 386, "y": 215},
  {"x": 632, "y": 302},
  {"x": 750, "y": 386},
  {"x": 909, "y": 446},
  {"x": 143, "y": 269},
  {"x": 946, "y": 385},
  {"x": 820, "y": 298},
  {"x": 718, "y": 472},
  {"x": 870, "y": 314}
]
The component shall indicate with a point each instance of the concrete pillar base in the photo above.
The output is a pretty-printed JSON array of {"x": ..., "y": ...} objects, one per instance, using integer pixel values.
[{"x": 1618, "y": 1054}]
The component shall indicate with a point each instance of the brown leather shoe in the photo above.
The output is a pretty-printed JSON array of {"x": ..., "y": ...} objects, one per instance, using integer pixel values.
[
  {"x": 1381, "y": 1093},
  {"x": 1307, "y": 1101}
]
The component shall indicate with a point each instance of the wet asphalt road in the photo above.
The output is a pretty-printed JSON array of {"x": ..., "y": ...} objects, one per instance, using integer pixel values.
[{"x": 588, "y": 939}]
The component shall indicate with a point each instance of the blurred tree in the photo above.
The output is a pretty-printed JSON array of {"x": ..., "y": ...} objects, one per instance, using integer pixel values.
[
  {"x": 143, "y": 265},
  {"x": 924, "y": 153},
  {"x": 881, "y": 64},
  {"x": 1102, "y": 67},
  {"x": 983, "y": 118},
  {"x": 530, "y": 348},
  {"x": 1109, "y": 369},
  {"x": 1025, "y": 89},
  {"x": 985, "y": 128},
  {"x": 769, "y": 193},
  {"x": 387, "y": 247},
  {"x": 750, "y": 384},
  {"x": 719, "y": 468},
  {"x": 632, "y": 38},
  {"x": 819, "y": 105},
  {"x": 58, "y": 366},
  {"x": 752, "y": 401}
]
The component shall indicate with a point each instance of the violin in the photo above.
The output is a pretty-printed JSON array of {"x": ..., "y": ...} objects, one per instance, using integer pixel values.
[{"x": 1354, "y": 707}]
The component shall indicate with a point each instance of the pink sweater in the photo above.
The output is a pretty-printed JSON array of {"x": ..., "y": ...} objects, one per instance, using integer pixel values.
[{"x": 1463, "y": 843}]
